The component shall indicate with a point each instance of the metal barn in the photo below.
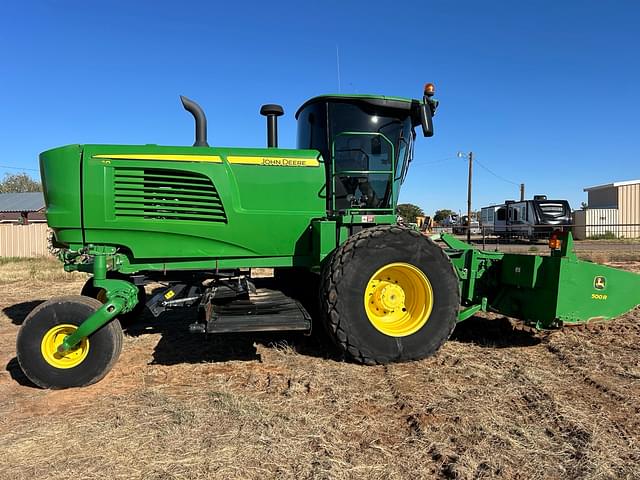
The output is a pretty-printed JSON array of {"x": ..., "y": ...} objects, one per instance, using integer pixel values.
[{"x": 613, "y": 211}]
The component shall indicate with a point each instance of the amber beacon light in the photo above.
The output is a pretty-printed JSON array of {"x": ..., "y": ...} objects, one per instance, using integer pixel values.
[{"x": 429, "y": 89}]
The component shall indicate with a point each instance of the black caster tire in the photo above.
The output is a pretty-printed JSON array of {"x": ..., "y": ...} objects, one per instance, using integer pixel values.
[{"x": 45, "y": 328}]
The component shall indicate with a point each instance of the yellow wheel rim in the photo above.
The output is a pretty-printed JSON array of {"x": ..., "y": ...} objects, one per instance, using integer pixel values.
[
  {"x": 54, "y": 338},
  {"x": 398, "y": 299}
]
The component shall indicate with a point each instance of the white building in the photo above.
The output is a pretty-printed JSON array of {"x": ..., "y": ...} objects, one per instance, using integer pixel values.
[{"x": 613, "y": 209}]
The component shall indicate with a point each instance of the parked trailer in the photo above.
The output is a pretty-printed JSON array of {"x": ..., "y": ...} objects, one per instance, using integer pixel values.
[{"x": 533, "y": 219}]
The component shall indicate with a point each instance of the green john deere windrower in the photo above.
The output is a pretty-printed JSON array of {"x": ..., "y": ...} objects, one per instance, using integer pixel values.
[{"x": 323, "y": 216}]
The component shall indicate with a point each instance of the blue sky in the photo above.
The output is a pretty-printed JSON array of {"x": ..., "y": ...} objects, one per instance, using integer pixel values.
[{"x": 544, "y": 92}]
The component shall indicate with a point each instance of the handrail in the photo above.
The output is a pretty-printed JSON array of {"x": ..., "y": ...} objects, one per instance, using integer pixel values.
[{"x": 334, "y": 173}]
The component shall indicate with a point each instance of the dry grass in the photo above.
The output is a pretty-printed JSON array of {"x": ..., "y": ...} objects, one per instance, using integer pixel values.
[
  {"x": 41, "y": 269},
  {"x": 494, "y": 403},
  {"x": 609, "y": 256}
]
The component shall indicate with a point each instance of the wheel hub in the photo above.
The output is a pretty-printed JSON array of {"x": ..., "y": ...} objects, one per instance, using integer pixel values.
[
  {"x": 398, "y": 299},
  {"x": 388, "y": 297},
  {"x": 54, "y": 338}
]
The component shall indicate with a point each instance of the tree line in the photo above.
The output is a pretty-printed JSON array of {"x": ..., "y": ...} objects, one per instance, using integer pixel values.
[
  {"x": 409, "y": 212},
  {"x": 19, "y": 183}
]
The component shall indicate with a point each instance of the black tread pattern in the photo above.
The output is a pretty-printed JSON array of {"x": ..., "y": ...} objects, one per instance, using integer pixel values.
[{"x": 332, "y": 273}]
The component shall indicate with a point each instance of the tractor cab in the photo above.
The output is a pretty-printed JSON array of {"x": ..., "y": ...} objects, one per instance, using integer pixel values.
[{"x": 367, "y": 143}]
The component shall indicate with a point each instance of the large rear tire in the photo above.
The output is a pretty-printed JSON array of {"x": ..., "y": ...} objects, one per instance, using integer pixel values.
[
  {"x": 44, "y": 330},
  {"x": 389, "y": 294}
]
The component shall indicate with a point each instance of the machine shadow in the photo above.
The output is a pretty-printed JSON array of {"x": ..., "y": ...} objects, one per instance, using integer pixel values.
[
  {"x": 493, "y": 333},
  {"x": 17, "y": 375},
  {"x": 19, "y": 311},
  {"x": 177, "y": 345},
  {"x": 181, "y": 347}
]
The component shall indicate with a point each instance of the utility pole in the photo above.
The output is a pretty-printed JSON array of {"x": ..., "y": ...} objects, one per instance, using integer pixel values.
[
  {"x": 469, "y": 156},
  {"x": 522, "y": 192},
  {"x": 469, "y": 198}
]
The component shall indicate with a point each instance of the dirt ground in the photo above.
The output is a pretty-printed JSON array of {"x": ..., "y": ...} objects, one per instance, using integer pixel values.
[{"x": 495, "y": 402}]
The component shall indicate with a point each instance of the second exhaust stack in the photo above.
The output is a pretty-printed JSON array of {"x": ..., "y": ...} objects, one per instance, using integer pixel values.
[
  {"x": 272, "y": 112},
  {"x": 201, "y": 120}
]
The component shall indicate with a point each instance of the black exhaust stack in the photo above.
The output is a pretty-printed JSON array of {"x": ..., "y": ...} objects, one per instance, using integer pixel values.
[
  {"x": 272, "y": 112},
  {"x": 201, "y": 121}
]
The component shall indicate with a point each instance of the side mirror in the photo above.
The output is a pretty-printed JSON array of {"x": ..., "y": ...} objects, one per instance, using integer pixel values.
[{"x": 426, "y": 120}]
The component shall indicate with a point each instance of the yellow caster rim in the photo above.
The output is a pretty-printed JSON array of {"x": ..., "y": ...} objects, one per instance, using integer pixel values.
[
  {"x": 54, "y": 338},
  {"x": 398, "y": 299}
]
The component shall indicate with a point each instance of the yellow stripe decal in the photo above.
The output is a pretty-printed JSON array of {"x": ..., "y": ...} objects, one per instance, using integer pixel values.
[
  {"x": 156, "y": 156},
  {"x": 275, "y": 161}
]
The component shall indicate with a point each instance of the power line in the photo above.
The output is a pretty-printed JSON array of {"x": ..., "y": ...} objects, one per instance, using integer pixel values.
[
  {"x": 435, "y": 162},
  {"x": 495, "y": 174},
  {"x": 19, "y": 168}
]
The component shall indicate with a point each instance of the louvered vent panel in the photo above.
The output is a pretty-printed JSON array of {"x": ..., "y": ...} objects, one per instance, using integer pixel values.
[{"x": 161, "y": 194}]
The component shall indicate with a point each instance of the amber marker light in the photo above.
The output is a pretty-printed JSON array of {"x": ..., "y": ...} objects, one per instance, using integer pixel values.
[
  {"x": 554, "y": 242},
  {"x": 429, "y": 89}
]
